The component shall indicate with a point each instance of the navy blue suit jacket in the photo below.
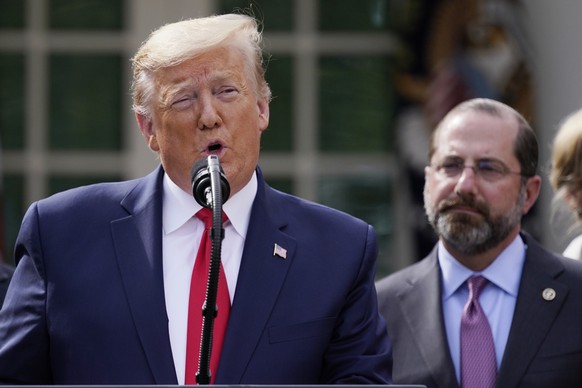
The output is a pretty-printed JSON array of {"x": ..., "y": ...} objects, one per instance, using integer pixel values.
[{"x": 86, "y": 304}]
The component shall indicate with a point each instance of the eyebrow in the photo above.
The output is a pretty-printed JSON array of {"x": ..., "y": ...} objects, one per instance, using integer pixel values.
[
  {"x": 490, "y": 158},
  {"x": 477, "y": 160},
  {"x": 168, "y": 92}
]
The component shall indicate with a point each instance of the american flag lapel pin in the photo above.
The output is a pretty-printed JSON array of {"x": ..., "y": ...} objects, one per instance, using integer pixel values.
[{"x": 280, "y": 251}]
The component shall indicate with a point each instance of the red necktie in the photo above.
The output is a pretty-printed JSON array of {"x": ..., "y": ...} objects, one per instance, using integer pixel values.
[
  {"x": 198, "y": 286},
  {"x": 478, "y": 362}
]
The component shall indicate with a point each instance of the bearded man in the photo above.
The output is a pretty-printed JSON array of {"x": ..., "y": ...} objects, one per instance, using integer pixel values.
[{"x": 488, "y": 306}]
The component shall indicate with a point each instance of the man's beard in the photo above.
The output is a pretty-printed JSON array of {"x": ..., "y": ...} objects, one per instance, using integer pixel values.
[{"x": 468, "y": 233}]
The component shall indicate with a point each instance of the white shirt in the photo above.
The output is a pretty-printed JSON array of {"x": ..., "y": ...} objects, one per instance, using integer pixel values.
[
  {"x": 574, "y": 249},
  {"x": 182, "y": 232},
  {"x": 497, "y": 300}
]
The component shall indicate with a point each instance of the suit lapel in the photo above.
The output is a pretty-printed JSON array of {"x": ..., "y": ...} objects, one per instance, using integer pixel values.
[
  {"x": 137, "y": 240},
  {"x": 421, "y": 307},
  {"x": 261, "y": 276},
  {"x": 533, "y": 314}
]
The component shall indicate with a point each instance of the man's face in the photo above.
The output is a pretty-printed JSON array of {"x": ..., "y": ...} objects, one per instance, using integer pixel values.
[
  {"x": 207, "y": 106},
  {"x": 472, "y": 210}
]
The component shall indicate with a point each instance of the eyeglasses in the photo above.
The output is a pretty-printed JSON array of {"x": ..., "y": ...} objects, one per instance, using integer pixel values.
[{"x": 486, "y": 169}]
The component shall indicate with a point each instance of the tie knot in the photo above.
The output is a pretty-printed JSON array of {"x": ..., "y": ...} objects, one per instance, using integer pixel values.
[
  {"x": 205, "y": 215},
  {"x": 476, "y": 285}
]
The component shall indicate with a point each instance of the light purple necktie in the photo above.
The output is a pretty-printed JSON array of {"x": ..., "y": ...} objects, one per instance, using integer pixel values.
[{"x": 478, "y": 363}]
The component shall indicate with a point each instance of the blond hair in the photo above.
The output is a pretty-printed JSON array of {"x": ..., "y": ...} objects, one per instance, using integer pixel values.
[
  {"x": 566, "y": 170},
  {"x": 177, "y": 42}
]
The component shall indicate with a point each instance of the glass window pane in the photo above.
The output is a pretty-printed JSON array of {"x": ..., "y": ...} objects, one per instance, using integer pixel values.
[
  {"x": 275, "y": 14},
  {"x": 62, "y": 183},
  {"x": 279, "y": 134},
  {"x": 356, "y": 104},
  {"x": 12, "y": 101},
  {"x": 366, "y": 15},
  {"x": 13, "y": 207},
  {"x": 12, "y": 14},
  {"x": 86, "y": 14},
  {"x": 282, "y": 184},
  {"x": 85, "y": 102},
  {"x": 370, "y": 199}
]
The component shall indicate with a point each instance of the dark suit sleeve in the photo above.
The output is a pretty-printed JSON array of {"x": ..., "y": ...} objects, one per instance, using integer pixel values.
[
  {"x": 360, "y": 352},
  {"x": 24, "y": 345}
]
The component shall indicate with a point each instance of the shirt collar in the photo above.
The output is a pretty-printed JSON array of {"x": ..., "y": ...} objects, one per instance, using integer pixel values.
[
  {"x": 179, "y": 206},
  {"x": 504, "y": 272}
]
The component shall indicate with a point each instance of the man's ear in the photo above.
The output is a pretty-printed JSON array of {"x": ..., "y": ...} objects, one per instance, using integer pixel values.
[
  {"x": 147, "y": 130},
  {"x": 532, "y": 191},
  {"x": 263, "y": 106}
]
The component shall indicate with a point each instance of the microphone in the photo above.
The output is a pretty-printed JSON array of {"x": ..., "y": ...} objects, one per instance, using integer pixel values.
[
  {"x": 209, "y": 187},
  {"x": 202, "y": 172}
]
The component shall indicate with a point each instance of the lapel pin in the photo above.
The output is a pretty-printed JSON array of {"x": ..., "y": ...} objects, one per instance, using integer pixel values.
[
  {"x": 549, "y": 294},
  {"x": 280, "y": 251}
]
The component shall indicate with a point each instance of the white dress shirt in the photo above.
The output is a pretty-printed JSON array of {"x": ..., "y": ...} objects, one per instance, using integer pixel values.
[
  {"x": 574, "y": 249},
  {"x": 497, "y": 299},
  {"x": 182, "y": 232}
]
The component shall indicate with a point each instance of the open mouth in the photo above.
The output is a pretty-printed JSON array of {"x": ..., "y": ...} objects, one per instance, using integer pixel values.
[{"x": 214, "y": 149}]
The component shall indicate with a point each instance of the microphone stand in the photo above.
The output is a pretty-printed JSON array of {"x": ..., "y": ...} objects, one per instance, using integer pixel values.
[{"x": 210, "y": 308}]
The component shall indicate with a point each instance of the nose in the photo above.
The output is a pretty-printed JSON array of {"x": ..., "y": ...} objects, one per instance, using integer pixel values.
[
  {"x": 467, "y": 181},
  {"x": 209, "y": 116}
]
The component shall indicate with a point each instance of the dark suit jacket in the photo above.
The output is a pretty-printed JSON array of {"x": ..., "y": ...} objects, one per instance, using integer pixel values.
[
  {"x": 86, "y": 304},
  {"x": 544, "y": 347},
  {"x": 5, "y": 276}
]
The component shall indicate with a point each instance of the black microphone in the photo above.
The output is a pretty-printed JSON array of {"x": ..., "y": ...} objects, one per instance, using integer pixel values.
[{"x": 201, "y": 173}]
